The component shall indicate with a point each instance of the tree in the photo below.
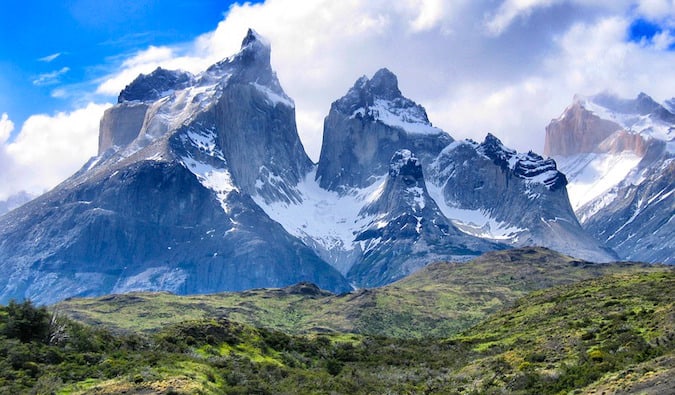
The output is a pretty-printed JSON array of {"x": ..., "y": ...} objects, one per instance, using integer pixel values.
[{"x": 26, "y": 322}]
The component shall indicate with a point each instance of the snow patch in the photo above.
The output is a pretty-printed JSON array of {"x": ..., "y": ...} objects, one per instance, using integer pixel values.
[
  {"x": 324, "y": 217},
  {"x": 219, "y": 180},
  {"x": 273, "y": 97},
  {"x": 593, "y": 175},
  {"x": 474, "y": 222}
]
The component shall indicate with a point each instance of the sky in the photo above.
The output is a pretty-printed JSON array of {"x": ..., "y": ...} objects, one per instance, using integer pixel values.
[{"x": 501, "y": 66}]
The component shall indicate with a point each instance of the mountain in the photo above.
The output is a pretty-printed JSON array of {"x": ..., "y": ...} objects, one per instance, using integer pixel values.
[
  {"x": 366, "y": 127},
  {"x": 201, "y": 184},
  {"x": 365, "y": 208},
  {"x": 391, "y": 193},
  {"x": 166, "y": 204},
  {"x": 14, "y": 201},
  {"x": 618, "y": 157},
  {"x": 494, "y": 192}
]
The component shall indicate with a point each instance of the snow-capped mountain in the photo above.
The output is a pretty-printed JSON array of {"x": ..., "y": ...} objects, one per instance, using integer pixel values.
[
  {"x": 463, "y": 198},
  {"x": 618, "y": 157},
  {"x": 494, "y": 192},
  {"x": 201, "y": 184},
  {"x": 167, "y": 202},
  {"x": 366, "y": 126}
]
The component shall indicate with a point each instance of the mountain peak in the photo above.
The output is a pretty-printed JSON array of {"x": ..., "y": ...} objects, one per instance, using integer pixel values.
[
  {"x": 385, "y": 84},
  {"x": 149, "y": 87},
  {"x": 253, "y": 38},
  {"x": 255, "y": 51}
]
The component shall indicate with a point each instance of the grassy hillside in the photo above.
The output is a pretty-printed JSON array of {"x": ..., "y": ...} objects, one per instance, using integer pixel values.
[
  {"x": 440, "y": 300},
  {"x": 614, "y": 333}
]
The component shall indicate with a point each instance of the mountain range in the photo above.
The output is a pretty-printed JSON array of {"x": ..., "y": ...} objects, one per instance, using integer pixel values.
[
  {"x": 201, "y": 184},
  {"x": 618, "y": 155}
]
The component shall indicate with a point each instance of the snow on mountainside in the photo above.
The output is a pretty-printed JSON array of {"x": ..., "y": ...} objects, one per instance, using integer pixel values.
[
  {"x": 366, "y": 127},
  {"x": 610, "y": 178},
  {"x": 491, "y": 191}
]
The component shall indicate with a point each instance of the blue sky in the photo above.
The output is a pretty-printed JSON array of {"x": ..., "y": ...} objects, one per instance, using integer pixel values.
[
  {"x": 501, "y": 66},
  {"x": 49, "y": 44}
]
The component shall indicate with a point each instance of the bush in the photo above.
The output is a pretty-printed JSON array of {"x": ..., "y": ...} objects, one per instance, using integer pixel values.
[{"x": 26, "y": 322}]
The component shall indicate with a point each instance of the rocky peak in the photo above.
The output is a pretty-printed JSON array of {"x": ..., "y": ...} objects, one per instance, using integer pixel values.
[
  {"x": 251, "y": 65},
  {"x": 150, "y": 87},
  {"x": 493, "y": 148},
  {"x": 529, "y": 166},
  {"x": 606, "y": 123},
  {"x": 366, "y": 97},
  {"x": 367, "y": 126},
  {"x": 404, "y": 188},
  {"x": 577, "y": 130},
  {"x": 385, "y": 85},
  {"x": 255, "y": 49}
]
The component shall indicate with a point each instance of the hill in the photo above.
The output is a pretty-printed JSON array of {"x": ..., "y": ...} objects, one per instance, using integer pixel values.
[
  {"x": 614, "y": 333},
  {"x": 440, "y": 300}
]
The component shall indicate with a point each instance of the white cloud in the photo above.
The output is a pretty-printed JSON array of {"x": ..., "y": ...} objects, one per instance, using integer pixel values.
[
  {"x": 658, "y": 10},
  {"x": 511, "y": 84},
  {"x": 6, "y": 127},
  {"x": 50, "y": 78},
  {"x": 510, "y": 10},
  {"x": 47, "y": 149},
  {"x": 50, "y": 58}
]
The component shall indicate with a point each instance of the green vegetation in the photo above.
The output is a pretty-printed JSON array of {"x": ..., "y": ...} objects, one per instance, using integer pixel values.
[
  {"x": 438, "y": 301},
  {"x": 614, "y": 333}
]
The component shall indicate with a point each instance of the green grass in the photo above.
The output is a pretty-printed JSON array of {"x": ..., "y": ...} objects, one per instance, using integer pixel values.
[
  {"x": 609, "y": 333},
  {"x": 439, "y": 301}
]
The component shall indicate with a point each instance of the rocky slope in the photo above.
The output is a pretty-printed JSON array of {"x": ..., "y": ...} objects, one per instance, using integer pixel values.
[{"x": 621, "y": 177}]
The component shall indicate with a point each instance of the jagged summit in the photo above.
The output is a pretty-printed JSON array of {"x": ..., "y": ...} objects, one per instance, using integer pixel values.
[
  {"x": 159, "y": 83},
  {"x": 618, "y": 156},
  {"x": 380, "y": 99},
  {"x": 529, "y": 166},
  {"x": 407, "y": 229},
  {"x": 367, "y": 126},
  {"x": 384, "y": 84},
  {"x": 405, "y": 165}
]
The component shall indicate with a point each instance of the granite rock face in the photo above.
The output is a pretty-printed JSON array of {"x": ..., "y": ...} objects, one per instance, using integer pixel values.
[{"x": 408, "y": 230}]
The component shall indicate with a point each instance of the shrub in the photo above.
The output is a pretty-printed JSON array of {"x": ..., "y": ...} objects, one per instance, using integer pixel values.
[{"x": 26, "y": 322}]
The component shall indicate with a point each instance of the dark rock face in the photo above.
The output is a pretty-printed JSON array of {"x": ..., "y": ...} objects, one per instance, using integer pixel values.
[
  {"x": 409, "y": 231},
  {"x": 152, "y": 86},
  {"x": 121, "y": 125},
  {"x": 167, "y": 204},
  {"x": 150, "y": 226},
  {"x": 523, "y": 191},
  {"x": 364, "y": 129}
]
